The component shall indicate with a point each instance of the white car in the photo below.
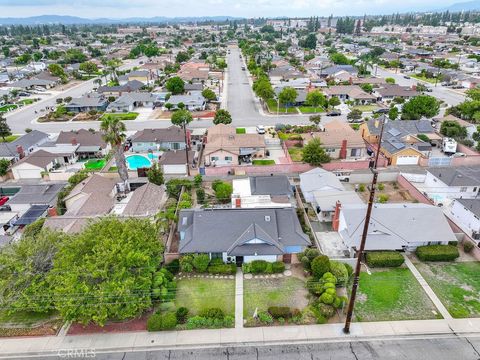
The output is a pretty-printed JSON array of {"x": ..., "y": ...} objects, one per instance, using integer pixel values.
[{"x": 260, "y": 129}]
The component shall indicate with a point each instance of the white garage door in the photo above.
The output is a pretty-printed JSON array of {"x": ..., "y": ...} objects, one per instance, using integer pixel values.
[
  {"x": 29, "y": 174},
  {"x": 175, "y": 169},
  {"x": 407, "y": 160}
]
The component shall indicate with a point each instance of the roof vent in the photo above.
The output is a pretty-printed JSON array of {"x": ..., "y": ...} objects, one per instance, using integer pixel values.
[{"x": 267, "y": 218}]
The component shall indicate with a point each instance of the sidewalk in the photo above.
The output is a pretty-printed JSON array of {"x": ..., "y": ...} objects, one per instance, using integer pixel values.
[
  {"x": 231, "y": 337},
  {"x": 239, "y": 299}
]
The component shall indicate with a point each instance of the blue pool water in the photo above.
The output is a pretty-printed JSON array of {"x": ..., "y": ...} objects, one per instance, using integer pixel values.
[{"x": 137, "y": 161}]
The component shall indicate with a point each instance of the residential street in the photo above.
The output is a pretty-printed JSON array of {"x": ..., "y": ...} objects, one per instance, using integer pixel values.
[{"x": 432, "y": 348}]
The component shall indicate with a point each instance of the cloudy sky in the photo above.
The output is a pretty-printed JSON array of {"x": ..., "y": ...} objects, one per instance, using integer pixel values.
[{"x": 241, "y": 8}]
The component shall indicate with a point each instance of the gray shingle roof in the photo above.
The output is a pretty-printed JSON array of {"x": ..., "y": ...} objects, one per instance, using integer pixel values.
[
  {"x": 270, "y": 185},
  {"x": 37, "y": 194},
  {"x": 240, "y": 231},
  {"x": 457, "y": 176},
  {"x": 170, "y": 134},
  {"x": 472, "y": 205}
]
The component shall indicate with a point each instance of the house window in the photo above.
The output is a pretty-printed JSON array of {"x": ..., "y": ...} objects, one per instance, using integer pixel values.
[
  {"x": 355, "y": 152},
  {"x": 214, "y": 158},
  {"x": 330, "y": 150},
  {"x": 176, "y": 146},
  {"x": 228, "y": 158},
  {"x": 463, "y": 189},
  {"x": 216, "y": 255},
  {"x": 475, "y": 189}
]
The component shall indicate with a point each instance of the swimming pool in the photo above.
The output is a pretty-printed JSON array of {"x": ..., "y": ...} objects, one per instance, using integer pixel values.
[{"x": 137, "y": 161}]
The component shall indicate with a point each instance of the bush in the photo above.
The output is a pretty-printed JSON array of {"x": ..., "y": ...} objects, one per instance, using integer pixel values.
[
  {"x": 173, "y": 266},
  {"x": 265, "y": 318},
  {"x": 186, "y": 263},
  {"x": 437, "y": 253},
  {"x": 200, "y": 322},
  {"x": 327, "y": 298},
  {"x": 200, "y": 195},
  {"x": 383, "y": 198},
  {"x": 339, "y": 271},
  {"x": 278, "y": 267},
  {"x": 326, "y": 310},
  {"x": 215, "y": 184},
  {"x": 361, "y": 187},
  {"x": 307, "y": 257},
  {"x": 384, "y": 259},
  {"x": 181, "y": 314},
  {"x": 212, "y": 313},
  {"x": 200, "y": 262},
  {"x": 159, "y": 321},
  {"x": 349, "y": 269},
  {"x": 174, "y": 186},
  {"x": 258, "y": 266},
  {"x": 467, "y": 246},
  {"x": 279, "y": 312},
  {"x": 381, "y": 187},
  {"x": 320, "y": 265},
  {"x": 197, "y": 180},
  {"x": 225, "y": 269}
]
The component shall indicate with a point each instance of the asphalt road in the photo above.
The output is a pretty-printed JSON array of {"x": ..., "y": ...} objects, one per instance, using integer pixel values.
[{"x": 440, "y": 348}]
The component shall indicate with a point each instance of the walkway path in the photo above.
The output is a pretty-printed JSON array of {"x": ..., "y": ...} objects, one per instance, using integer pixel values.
[
  {"x": 239, "y": 299},
  {"x": 443, "y": 310}
]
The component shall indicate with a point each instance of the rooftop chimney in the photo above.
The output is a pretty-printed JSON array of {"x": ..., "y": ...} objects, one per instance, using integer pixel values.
[
  {"x": 74, "y": 141},
  {"x": 336, "y": 216}
]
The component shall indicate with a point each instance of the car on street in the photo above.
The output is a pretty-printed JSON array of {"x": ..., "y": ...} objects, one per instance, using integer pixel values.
[
  {"x": 260, "y": 129},
  {"x": 406, "y": 77},
  {"x": 381, "y": 111},
  {"x": 334, "y": 113}
]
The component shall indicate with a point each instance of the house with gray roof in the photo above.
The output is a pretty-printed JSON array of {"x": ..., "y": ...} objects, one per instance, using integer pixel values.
[
  {"x": 193, "y": 101},
  {"x": 443, "y": 184},
  {"x": 318, "y": 179},
  {"x": 393, "y": 226},
  {"x": 23, "y": 146},
  {"x": 466, "y": 214},
  {"x": 242, "y": 235},
  {"x": 28, "y": 84},
  {"x": 129, "y": 101},
  {"x": 130, "y": 86},
  {"x": 88, "y": 102},
  {"x": 263, "y": 192},
  {"x": 171, "y": 138},
  {"x": 43, "y": 194}
]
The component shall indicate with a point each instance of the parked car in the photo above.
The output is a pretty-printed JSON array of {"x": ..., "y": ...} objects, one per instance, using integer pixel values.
[
  {"x": 3, "y": 200},
  {"x": 260, "y": 129},
  {"x": 406, "y": 77},
  {"x": 334, "y": 113},
  {"x": 381, "y": 111},
  {"x": 243, "y": 68},
  {"x": 5, "y": 208}
]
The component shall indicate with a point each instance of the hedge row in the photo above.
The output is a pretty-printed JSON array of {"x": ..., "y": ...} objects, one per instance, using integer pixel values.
[
  {"x": 384, "y": 259},
  {"x": 263, "y": 267},
  {"x": 437, "y": 253},
  {"x": 224, "y": 269}
]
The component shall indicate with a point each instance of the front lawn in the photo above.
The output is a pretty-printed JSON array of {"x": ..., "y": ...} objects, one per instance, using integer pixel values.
[
  {"x": 241, "y": 130},
  {"x": 120, "y": 116},
  {"x": 9, "y": 138},
  {"x": 418, "y": 77},
  {"x": 26, "y": 101},
  {"x": 310, "y": 109},
  {"x": 197, "y": 294},
  {"x": 260, "y": 294},
  {"x": 365, "y": 108},
  {"x": 8, "y": 107},
  {"x": 393, "y": 294},
  {"x": 296, "y": 153},
  {"x": 272, "y": 107},
  {"x": 95, "y": 164},
  {"x": 456, "y": 284},
  {"x": 263, "y": 162}
]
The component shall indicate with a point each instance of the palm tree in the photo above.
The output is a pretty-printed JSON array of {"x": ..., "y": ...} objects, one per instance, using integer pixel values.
[{"x": 113, "y": 131}]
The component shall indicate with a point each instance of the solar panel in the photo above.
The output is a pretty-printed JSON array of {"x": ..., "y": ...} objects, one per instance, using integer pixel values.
[{"x": 394, "y": 132}]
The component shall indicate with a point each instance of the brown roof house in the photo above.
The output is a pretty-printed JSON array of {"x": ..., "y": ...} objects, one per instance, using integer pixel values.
[
  {"x": 91, "y": 142},
  {"x": 350, "y": 93},
  {"x": 34, "y": 165},
  {"x": 225, "y": 147},
  {"x": 390, "y": 91},
  {"x": 340, "y": 141}
]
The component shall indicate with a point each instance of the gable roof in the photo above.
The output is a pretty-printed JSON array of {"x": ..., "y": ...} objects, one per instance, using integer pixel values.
[
  {"x": 270, "y": 185},
  {"x": 225, "y": 137},
  {"x": 30, "y": 139},
  {"x": 147, "y": 200},
  {"x": 170, "y": 134},
  {"x": 82, "y": 137},
  {"x": 40, "y": 158},
  {"x": 240, "y": 231},
  {"x": 318, "y": 179},
  {"x": 457, "y": 176},
  {"x": 472, "y": 205}
]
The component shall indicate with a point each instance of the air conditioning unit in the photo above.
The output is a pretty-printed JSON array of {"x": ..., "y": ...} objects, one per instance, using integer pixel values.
[
  {"x": 476, "y": 235},
  {"x": 231, "y": 259}
]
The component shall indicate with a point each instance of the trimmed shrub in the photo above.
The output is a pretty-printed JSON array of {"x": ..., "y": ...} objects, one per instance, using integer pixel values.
[
  {"x": 186, "y": 263},
  {"x": 327, "y": 298},
  {"x": 181, "y": 314},
  {"x": 278, "y": 267},
  {"x": 200, "y": 195},
  {"x": 326, "y": 310},
  {"x": 437, "y": 253},
  {"x": 226, "y": 269},
  {"x": 173, "y": 266},
  {"x": 200, "y": 322},
  {"x": 279, "y": 312},
  {"x": 258, "y": 266},
  {"x": 200, "y": 262},
  {"x": 384, "y": 259},
  {"x": 339, "y": 270},
  {"x": 381, "y": 187},
  {"x": 349, "y": 269},
  {"x": 265, "y": 317},
  {"x": 467, "y": 246},
  {"x": 320, "y": 265},
  {"x": 212, "y": 313},
  {"x": 159, "y": 321}
]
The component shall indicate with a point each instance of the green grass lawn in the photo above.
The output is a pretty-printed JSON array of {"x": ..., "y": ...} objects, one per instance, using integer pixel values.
[
  {"x": 310, "y": 110},
  {"x": 418, "y": 77},
  {"x": 95, "y": 164},
  {"x": 25, "y": 318},
  {"x": 393, "y": 294},
  {"x": 26, "y": 101},
  {"x": 8, "y": 107},
  {"x": 263, "y": 162},
  {"x": 295, "y": 153},
  {"x": 262, "y": 293},
  {"x": 10, "y": 138},
  {"x": 121, "y": 116},
  {"x": 198, "y": 294},
  {"x": 456, "y": 284},
  {"x": 240, "y": 130},
  {"x": 113, "y": 168},
  {"x": 272, "y": 107},
  {"x": 366, "y": 108},
  {"x": 290, "y": 136}
]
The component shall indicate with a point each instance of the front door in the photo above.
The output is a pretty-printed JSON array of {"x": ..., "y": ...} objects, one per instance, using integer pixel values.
[{"x": 239, "y": 260}]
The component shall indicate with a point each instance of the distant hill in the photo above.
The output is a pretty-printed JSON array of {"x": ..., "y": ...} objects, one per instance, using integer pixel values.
[
  {"x": 73, "y": 20},
  {"x": 464, "y": 6}
]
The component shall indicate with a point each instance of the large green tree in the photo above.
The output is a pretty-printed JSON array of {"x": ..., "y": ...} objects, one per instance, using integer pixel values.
[
  {"x": 314, "y": 154},
  {"x": 420, "y": 106},
  {"x": 88, "y": 67},
  {"x": 113, "y": 132},
  {"x": 222, "y": 116},
  {"x": 175, "y": 85},
  {"x": 315, "y": 98},
  {"x": 287, "y": 96},
  {"x": 4, "y": 128}
]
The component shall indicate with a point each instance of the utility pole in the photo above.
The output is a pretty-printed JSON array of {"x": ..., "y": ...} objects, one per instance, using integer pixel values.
[
  {"x": 356, "y": 276},
  {"x": 186, "y": 146}
]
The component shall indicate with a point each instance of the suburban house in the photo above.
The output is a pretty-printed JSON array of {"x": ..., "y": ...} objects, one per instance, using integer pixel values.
[
  {"x": 174, "y": 162},
  {"x": 401, "y": 143},
  {"x": 392, "y": 226},
  {"x": 350, "y": 93},
  {"x": 138, "y": 75},
  {"x": 34, "y": 165},
  {"x": 332, "y": 70},
  {"x": 447, "y": 183},
  {"x": 325, "y": 202},
  {"x": 23, "y": 146},
  {"x": 38, "y": 194},
  {"x": 340, "y": 141},
  {"x": 29, "y": 84},
  {"x": 115, "y": 91},
  {"x": 193, "y": 71},
  {"x": 263, "y": 192},
  {"x": 171, "y": 138},
  {"x": 225, "y": 147},
  {"x": 91, "y": 143},
  {"x": 193, "y": 101},
  {"x": 242, "y": 235},
  {"x": 89, "y": 102},
  {"x": 129, "y": 101},
  {"x": 388, "y": 92},
  {"x": 466, "y": 214},
  {"x": 318, "y": 179}
]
